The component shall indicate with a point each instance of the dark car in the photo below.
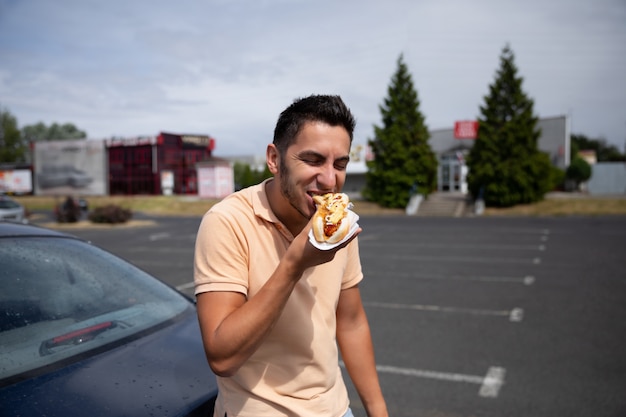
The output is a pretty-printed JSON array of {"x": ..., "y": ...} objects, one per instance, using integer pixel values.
[{"x": 83, "y": 332}]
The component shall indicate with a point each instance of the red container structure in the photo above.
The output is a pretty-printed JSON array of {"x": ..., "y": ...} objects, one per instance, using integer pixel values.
[{"x": 142, "y": 165}]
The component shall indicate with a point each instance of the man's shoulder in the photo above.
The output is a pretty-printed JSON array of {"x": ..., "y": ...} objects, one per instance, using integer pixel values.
[
  {"x": 235, "y": 201},
  {"x": 242, "y": 201}
]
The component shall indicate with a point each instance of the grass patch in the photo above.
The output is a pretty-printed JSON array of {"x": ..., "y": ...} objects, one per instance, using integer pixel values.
[
  {"x": 156, "y": 205},
  {"x": 560, "y": 205},
  {"x": 563, "y": 206}
]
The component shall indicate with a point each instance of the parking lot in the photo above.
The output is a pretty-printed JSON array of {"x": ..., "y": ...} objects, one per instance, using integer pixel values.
[{"x": 470, "y": 316}]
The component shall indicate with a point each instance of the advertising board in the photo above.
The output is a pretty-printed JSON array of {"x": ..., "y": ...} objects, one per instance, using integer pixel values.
[
  {"x": 70, "y": 167},
  {"x": 16, "y": 181},
  {"x": 465, "y": 129}
]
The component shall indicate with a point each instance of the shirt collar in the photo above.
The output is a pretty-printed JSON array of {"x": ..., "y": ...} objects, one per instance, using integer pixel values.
[
  {"x": 262, "y": 209},
  {"x": 261, "y": 204}
]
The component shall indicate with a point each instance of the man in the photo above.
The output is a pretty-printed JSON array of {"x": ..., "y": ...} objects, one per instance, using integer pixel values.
[{"x": 273, "y": 308}]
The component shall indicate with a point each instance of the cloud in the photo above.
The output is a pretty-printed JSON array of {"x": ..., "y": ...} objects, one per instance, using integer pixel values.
[{"x": 227, "y": 68}]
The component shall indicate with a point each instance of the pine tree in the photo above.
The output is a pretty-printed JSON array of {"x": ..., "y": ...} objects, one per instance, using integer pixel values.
[
  {"x": 505, "y": 164},
  {"x": 12, "y": 148},
  {"x": 403, "y": 158}
]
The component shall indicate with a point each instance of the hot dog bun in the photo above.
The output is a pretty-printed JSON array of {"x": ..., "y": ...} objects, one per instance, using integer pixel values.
[{"x": 330, "y": 222}]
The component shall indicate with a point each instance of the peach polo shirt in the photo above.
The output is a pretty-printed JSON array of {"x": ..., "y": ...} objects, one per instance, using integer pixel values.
[{"x": 295, "y": 372}]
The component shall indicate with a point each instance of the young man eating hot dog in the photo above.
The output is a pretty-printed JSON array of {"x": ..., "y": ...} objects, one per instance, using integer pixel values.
[{"x": 273, "y": 309}]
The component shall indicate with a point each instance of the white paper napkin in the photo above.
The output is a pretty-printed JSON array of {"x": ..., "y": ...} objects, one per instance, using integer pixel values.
[{"x": 353, "y": 218}]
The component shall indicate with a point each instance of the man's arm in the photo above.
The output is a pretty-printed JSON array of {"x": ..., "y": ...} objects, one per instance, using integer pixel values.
[
  {"x": 355, "y": 342},
  {"x": 233, "y": 327}
]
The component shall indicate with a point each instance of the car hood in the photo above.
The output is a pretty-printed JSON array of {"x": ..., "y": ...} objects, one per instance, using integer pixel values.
[{"x": 162, "y": 374}]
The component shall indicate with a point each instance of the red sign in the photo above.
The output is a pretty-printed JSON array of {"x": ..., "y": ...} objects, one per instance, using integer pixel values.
[{"x": 465, "y": 129}]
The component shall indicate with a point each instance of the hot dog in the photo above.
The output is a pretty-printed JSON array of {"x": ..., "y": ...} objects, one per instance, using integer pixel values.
[{"x": 330, "y": 222}]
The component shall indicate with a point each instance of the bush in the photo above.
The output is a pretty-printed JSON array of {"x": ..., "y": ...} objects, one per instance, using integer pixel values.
[
  {"x": 578, "y": 171},
  {"x": 111, "y": 213},
  {"x": 557, "y": 176}
]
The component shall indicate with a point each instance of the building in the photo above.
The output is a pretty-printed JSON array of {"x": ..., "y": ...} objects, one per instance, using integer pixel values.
[
  {"x": 607, "y": 178},
  {"x": 162, "y": 164},
  {"x": 451, "y": 150},
  {"x": 216, "y": 178},
  {"x": 356, "y": 170},
  {"x": 451, "y": 147},
  {"x": 183, "y": 164}
]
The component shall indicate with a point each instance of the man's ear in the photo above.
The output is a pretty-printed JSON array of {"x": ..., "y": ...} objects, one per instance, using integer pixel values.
[{"x": 271, "y": 158}]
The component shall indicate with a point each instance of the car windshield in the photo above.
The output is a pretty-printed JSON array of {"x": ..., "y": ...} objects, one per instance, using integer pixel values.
[{"x": 61, "y": 297}]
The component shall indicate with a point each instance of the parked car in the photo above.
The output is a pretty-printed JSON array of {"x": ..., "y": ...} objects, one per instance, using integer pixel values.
[
  {"x": 63, "y": 175},
  {"x": 11, "y": 210},
  {"x": 83, "y": 332}
]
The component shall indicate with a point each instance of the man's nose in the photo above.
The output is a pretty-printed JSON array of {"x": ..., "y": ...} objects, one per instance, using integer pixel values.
[{"x": 327, "y": 177}]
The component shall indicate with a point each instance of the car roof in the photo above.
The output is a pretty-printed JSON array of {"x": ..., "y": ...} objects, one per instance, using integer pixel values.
[{"x": 11, "y": 229}]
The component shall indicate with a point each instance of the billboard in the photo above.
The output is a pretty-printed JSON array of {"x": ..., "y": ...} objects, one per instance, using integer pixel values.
[
  {"x": 70, "y": 167},
  {"x": 465, "y": 129},
  {"x": 16, "y": 181}
]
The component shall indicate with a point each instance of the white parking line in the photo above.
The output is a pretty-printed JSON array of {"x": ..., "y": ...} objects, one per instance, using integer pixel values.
[
  {"x": 151, "y": 249},
  {"x": 185, "y": 286},
  {"x": 493, "y": 382},
  {"x": 527, "y": 280},
  {"x": 147, "y": 264},
  {"x": 467, "y": 259},
  {"x": 449, "y": 246},
  {"x": 490, "y": 384},
  {"x": 158, "y": 236},
  {"x": 515, "y": 315}
]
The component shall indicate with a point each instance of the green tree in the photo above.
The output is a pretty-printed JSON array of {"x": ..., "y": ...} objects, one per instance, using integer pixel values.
[
  {"x": 41, "y": 132},
  {"x": 578, "y": 171},
  {"x": 604, "y": 152},
  {"x": 245, "y": 176},
  {"x": 505, "y": 164},
  {"x": 403, "y": 158},
  {"x": 12, "y": 148}
]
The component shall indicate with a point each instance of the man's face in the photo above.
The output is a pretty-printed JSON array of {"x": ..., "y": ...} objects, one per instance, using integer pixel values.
[{"x": 314, "y": 164}]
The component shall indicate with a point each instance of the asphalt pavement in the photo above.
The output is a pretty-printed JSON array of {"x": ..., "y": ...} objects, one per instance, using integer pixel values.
[{"x": 474, "y": 316}]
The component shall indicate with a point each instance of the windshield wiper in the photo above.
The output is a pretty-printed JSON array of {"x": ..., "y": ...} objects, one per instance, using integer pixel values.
[{"x": 75, "y": 337}]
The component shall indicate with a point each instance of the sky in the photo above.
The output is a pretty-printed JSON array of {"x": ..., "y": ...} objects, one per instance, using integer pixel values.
[{"x": 227, "y": 68}]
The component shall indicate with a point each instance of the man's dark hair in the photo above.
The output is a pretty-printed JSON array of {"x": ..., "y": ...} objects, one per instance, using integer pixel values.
[{"x": 315, "y": 108}]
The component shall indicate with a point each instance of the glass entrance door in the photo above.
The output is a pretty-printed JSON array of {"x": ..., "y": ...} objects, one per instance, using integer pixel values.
[{"x": 452, "y": 173}]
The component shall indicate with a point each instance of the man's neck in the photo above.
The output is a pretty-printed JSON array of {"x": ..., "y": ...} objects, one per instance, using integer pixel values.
[{"x": 289, "y": 216}]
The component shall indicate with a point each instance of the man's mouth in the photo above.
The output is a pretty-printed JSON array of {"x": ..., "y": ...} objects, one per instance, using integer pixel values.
[
  {"x": 314, "y": 193},
  {"x": 311, "y": 195}
]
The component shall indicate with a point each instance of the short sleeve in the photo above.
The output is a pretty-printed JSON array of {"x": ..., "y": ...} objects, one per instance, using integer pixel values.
[
  {"x": 221, "y": 256},
  {"x": 353, "y": 273}
]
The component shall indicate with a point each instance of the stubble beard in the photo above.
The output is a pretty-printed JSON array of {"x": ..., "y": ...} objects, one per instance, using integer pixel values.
[{"x": 288, "y": 190}]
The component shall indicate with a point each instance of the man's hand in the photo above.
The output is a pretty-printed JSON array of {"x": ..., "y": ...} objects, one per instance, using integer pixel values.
[{"x": 302, "y": 254}]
